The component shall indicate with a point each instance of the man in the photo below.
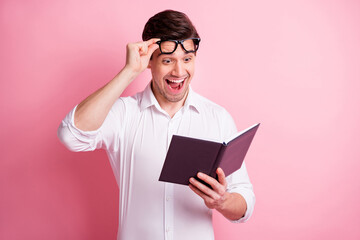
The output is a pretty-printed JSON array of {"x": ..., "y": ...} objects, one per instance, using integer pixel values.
[{"x": 136, "y": 132}]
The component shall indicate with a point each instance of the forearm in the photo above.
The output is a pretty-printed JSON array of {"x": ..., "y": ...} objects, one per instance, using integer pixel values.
[
  {"x": 91, "y": 112},
  {"x": 234, "y": 206}
]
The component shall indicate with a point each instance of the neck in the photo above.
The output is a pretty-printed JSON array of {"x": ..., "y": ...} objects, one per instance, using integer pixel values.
[
  {"x": 172, "y": 107},
  {"x": 169, "y": 107}
]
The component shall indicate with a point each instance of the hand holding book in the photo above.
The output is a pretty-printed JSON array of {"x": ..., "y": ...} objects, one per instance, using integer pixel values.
[
  {"x": 232, "y": 205},
  {"x": 216, "y": 194},
  {"x": 188, "y": 156}
]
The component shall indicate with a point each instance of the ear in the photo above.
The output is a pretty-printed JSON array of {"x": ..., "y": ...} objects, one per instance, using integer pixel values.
[{"x": 149, "y": 65}]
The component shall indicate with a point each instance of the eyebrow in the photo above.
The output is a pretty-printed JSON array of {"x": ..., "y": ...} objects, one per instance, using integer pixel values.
[{"x": 173, "y": 53}]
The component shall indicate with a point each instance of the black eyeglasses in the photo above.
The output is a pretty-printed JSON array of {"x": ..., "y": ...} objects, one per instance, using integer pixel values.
[{"x": 189, "y": 45}]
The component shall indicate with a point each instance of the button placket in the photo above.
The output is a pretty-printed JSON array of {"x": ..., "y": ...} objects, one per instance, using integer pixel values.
[
  {"x": 168, "y": 194},
  {"x": 169, "y": 211}
]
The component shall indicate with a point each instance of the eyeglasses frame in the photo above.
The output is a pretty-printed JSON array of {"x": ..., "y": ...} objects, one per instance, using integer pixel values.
[{"x": 195, "y": 40}]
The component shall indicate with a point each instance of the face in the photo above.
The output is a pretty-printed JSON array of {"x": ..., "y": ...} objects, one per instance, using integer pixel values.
[{"x": 172, "y": 74}]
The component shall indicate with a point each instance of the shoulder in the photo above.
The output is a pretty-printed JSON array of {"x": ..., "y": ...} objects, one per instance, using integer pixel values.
[
  {"x": 214, "y": 113},
  {"x": 130, "y": 102},
  {"x": 125, "y": 107},
  {"x": 209, "y": 107}
]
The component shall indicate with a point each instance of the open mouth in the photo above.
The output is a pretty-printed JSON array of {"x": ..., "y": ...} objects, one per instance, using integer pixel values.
[{"x": 175, "y": 84}]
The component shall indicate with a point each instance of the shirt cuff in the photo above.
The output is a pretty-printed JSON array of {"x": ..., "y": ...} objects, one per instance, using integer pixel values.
[
  {"x": 76, "y": 139},
  {"x": 249, "y": 197}
]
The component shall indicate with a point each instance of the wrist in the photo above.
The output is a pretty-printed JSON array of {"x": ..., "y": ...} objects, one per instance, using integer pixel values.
[
  {"x": 128, "y": 73},
  {"x": 226, "y": 200},
  {"x": 234, "y": 206}
]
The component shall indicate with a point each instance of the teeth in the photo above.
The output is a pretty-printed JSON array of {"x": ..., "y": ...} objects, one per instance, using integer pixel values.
[{"x": 176, "y": 81}]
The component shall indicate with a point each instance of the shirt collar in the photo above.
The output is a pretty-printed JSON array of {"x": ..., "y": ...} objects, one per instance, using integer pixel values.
[{"x": 148, "y": 99}]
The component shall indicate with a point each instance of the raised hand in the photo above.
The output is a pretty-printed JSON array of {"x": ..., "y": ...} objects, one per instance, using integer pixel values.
[
  {"x": 92, "y": 111},
  {"x": 138, "y": 54}
]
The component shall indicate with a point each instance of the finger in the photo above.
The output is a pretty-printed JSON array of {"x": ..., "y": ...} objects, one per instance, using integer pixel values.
[
  {"x": 152, "y": 48},
  {"x": 203, "y": 188},
  {"x": 143, "y": 48},
  {"x": 152, "y": 45},
  {"x": 148, "y": 47},
  {"x": 218, "y": 188},
  {"x": 210, "y": 180},
  {"x": 199, "y": 193},
  {"x": 221, "y": 176},
  {"x": 152, "y": 41}
]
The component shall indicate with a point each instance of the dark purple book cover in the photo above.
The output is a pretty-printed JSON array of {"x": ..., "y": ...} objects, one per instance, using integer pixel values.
[{"x": 188, "y": 156}]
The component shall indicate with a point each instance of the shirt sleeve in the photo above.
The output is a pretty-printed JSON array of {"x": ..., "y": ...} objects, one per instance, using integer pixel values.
[
  {"x": 239, "y": 181},
  {"x": 105, "y": 137}
]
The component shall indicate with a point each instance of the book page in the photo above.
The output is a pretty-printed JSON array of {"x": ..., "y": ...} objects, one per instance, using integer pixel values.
[{"x": 239, "y": 133}]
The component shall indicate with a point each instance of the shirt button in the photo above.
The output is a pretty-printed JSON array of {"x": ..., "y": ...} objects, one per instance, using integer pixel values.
[
  {"x": 167, "y": 229},
  {"x": 167, "y": 198}
]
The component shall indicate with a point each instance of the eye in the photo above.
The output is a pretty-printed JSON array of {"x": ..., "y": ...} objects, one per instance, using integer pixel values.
[
  {"x": 187, "y": 59},
  {"x": 166, "y": 61}
]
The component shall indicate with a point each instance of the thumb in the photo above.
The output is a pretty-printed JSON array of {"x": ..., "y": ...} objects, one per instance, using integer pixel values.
[
  {"x": 221, "y": 176},
  {"x": 151, "y": 49},
  {"x": 151, "y": 46}
]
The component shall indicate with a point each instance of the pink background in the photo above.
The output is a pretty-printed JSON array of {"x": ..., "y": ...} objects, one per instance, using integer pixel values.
[{"x": 294, "y": 67}]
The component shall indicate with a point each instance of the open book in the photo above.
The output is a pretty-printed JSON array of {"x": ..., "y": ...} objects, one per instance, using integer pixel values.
[{"x": 188, "y": 156}]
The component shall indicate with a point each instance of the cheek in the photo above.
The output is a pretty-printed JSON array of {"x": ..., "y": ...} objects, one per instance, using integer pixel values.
[
  {"x": 158, "y": 73},
  {"x": 191, "y": 69},
  {"x": 163, "y": 70}
]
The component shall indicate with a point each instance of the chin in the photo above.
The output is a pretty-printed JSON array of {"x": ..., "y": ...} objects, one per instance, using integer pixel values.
[{"x": 178, "y": 97}]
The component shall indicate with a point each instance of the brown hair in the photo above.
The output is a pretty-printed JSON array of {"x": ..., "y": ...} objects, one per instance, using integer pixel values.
[{"x": 169, "y": 25}]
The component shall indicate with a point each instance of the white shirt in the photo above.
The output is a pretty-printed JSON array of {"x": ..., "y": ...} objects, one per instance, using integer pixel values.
[{"x": 136, "y": 135}]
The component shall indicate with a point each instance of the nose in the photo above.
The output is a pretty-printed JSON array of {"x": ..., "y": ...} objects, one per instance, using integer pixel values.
[{"x": 179, "y": 69}]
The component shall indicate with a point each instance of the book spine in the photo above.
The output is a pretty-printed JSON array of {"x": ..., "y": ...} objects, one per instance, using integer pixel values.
[{"x": 218, "y": 160}]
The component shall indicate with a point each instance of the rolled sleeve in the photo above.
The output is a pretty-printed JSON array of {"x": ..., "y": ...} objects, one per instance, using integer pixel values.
[
  {"x": 105, "y": 137},
  {"x": 75, "y": 139},
  {"x": 239, "y": 182}
]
